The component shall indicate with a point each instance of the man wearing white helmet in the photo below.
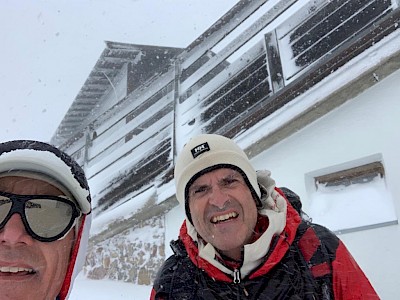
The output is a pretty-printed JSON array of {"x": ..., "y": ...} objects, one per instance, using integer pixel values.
[
  {"x": 244, "y": 238},
  {"x": 45, "y": 219}
]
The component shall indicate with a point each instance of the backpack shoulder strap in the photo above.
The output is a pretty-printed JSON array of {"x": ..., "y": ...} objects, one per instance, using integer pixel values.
[
  {"x": 318, "y": 246},
  {"x": 293, "y": 199}
]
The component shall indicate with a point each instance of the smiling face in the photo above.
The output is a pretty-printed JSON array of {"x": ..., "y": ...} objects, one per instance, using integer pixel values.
[
  {"x": 30, "y": 269},
  {"x": 223, "y": 210}
]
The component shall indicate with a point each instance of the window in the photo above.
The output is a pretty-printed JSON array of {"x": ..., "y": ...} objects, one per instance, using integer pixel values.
[{"x": 353, "y": 198}]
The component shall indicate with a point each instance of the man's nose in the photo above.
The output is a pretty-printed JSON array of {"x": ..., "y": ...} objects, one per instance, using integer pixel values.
[
  {"x": 14, "y": 232},
  {"x": 218, "y": 197}
]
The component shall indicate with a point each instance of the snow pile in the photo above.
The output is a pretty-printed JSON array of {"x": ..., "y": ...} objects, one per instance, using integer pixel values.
[{"x": 350, "y": 207}]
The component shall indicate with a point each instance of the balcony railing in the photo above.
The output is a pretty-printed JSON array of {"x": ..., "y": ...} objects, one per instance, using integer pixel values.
[{"x": 254, "y": 60}]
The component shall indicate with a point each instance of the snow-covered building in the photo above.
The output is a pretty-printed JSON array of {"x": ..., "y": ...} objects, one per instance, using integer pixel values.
[{"x": 308, "y": 88}]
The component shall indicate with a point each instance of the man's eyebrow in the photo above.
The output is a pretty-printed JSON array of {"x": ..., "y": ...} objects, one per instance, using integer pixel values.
[
  {"x": 197, "y": 185},
  {"x": 233, "y": 174}
]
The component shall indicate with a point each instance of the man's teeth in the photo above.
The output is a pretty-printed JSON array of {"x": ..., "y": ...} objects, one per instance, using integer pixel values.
[
  {"x": 15, "y": 270},
  {"x": 224, "y": 217}
]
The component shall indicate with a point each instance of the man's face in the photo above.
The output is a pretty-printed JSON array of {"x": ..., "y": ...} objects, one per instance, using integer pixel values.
[
  {"x": 223, "y": 210},
  {"x": 41, "y": 266}
]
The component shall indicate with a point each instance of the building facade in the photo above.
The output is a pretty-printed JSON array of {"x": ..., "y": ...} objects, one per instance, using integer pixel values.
[{"x": 308, "y": 88}]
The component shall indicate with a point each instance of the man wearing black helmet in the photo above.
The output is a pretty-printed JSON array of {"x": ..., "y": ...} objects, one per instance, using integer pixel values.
[{"x": 44, "y": 221}]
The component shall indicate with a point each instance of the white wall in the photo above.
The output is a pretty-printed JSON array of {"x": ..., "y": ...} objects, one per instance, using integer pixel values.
[{"x": 368, "y": 125}]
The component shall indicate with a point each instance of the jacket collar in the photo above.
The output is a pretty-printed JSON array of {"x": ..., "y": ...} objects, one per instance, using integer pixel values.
[{"x": 261, "y": 255}]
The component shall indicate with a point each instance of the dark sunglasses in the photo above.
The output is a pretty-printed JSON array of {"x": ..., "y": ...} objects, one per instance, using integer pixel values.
[{"x": 46, "y": 218}]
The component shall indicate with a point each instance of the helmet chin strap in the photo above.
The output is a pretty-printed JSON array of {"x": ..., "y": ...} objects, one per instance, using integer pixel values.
[{"x": 69, "y": 276}]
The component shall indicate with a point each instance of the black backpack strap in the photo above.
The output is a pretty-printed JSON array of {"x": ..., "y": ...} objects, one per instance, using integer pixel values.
[
  {"x": 318, "y": 246},
  {"x": 293, "y": 199},
  {"x": 178, "y": 248}
]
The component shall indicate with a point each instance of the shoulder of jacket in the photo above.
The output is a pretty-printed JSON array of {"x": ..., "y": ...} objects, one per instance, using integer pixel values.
[
  {"x": 317, "y": 244},
  {"x": 172, "y": 263},
  {"x": 176, "y": 277},
  {"x": 165, "y": 275}
]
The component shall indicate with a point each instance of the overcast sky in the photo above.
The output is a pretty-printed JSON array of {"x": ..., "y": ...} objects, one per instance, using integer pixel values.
[{"x": 50, "y": 47}]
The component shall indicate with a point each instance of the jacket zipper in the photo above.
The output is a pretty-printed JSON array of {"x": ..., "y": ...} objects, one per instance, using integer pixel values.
[
  {"x": 236, "y": 276},
  {"x": 237, "y": 281}
]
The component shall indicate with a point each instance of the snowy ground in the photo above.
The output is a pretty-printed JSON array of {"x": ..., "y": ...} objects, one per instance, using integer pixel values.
[{"x": 106, "y": 289}]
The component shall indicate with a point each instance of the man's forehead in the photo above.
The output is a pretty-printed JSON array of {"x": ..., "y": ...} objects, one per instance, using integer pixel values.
[
  {"x": 27, "y": 185},
  {"x": 220, "y": 174}
]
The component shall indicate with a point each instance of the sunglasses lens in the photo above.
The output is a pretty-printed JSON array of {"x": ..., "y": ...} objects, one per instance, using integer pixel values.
[
  {"x": 5, "y": 206},
  {"x": 49, "y": 218}
]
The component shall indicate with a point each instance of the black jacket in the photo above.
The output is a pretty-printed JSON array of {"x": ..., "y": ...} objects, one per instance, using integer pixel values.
[{"x": 180, "y": 279}]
